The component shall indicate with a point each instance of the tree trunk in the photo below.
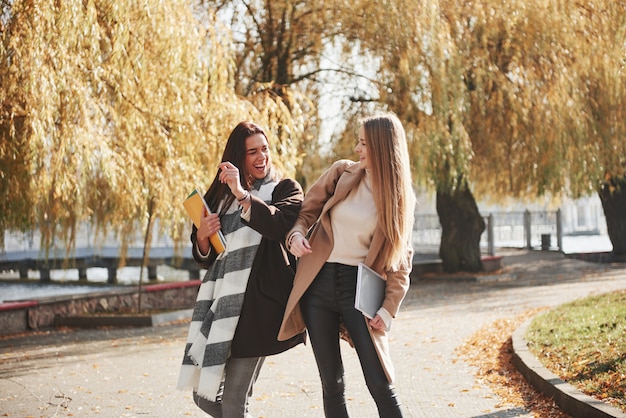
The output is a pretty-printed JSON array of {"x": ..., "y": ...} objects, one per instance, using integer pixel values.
[
  {"x": 461, "y": 228},
  {"x": 613, "y": 197},
  {"x": 147, "y": 241}
]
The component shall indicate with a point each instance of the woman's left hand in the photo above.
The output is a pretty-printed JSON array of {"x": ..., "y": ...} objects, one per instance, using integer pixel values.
[{"x": 378, "y": 323}]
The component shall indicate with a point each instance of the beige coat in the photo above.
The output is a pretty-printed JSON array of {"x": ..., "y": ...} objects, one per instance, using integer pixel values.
[{"x": 332, "y": 187}]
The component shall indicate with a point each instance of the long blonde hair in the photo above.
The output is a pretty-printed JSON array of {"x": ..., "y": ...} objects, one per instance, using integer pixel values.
[{"x": 391, "y": 184}]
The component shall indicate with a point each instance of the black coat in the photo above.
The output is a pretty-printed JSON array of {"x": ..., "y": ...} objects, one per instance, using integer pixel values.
[{"x": 271, "y": 276}]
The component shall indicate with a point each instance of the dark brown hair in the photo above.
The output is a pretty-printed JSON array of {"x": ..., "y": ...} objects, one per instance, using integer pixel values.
[{"x": 235, "y": 152}]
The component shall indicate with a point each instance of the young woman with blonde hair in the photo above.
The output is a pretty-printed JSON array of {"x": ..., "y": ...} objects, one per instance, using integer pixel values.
[{"x": 361, "y": 212}]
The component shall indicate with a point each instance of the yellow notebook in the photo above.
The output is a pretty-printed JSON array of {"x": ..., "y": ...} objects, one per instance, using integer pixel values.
[{"x": 194, "y": 205}]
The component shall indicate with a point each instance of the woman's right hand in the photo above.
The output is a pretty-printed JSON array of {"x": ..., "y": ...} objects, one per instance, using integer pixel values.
[
  {"x": 209, "y": 225},
  {"x": 299, "y": 245}
]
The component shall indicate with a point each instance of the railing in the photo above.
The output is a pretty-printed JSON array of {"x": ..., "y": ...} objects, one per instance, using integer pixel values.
[
  {"x": 23, "y": 254},
  {"x": 523, "y": 229}
]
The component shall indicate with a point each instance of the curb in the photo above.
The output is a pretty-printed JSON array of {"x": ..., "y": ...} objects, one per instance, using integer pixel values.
[
  {"x": 423, "y": 268},
  {"x": 94, "y": 321},
  {"x": 568, "y": 398},
  {"x": 162, "y": 300}
]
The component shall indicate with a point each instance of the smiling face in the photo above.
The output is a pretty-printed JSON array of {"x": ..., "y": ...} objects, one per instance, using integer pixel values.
[
  {"x": 257, "y": 161},
  {"x": 361, "y": 150}
]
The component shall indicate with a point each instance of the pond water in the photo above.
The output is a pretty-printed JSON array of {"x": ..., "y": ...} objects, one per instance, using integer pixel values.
[{"x": 65, "y": 282}]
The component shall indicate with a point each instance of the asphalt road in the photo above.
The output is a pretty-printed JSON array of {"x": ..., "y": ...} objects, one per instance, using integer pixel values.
[{"x": 133, "y": 372}]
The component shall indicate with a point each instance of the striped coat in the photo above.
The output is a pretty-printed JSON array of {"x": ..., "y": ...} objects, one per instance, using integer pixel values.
[{"x": 242, "y": 298}]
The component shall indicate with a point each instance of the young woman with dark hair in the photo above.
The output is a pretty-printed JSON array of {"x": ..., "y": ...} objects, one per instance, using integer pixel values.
[{"x": 243, "y": 295}]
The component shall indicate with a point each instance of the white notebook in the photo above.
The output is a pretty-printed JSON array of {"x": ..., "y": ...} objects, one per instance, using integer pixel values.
[{"x": 370, "y": 291}]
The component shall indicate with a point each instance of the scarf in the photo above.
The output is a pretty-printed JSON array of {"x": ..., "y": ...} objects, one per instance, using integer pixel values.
[{"x": 219, "y": 302}]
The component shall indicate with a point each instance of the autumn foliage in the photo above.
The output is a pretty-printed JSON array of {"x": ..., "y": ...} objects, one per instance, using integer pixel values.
[{"x": 111, "y": 111}]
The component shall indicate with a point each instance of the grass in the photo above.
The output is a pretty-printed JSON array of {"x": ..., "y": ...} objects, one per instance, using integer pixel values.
[{"x": 584, "y": 343}]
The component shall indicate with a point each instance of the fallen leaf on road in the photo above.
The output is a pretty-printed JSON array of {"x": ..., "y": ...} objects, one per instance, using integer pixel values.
[{"x": 490, "y": 350}]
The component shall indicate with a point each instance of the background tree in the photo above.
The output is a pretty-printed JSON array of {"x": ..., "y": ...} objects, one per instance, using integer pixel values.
[
  {"x": 489, "y": 90},
  {"x": 535, "y": 122},
  {"x": 291, "y": 49},
  {"x": 597, "y": 154},
  {"x": 421, "y": 79},
  {"x": 105, "y": 98},
  {"x": 486, "y": 91},
  {"x": 112, "y": 114}
]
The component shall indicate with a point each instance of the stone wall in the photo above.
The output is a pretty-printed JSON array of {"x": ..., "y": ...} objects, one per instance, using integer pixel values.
[
  {"x": 13, "y": 320},
  {"x": 32, "y": 315}
]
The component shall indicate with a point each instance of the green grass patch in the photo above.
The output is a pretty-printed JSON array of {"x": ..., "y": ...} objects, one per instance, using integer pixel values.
[{"x": 584, "y": 343}]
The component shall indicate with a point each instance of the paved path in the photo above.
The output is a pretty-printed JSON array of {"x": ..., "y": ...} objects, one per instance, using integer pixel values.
[{"x": 132, "y": 372}]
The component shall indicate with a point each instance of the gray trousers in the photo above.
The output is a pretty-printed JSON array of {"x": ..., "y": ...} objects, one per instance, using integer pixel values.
[{"x": 235, "y": 391}]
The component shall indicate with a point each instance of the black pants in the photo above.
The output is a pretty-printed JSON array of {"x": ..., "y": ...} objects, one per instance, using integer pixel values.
[{"x": 329, "y": 300}]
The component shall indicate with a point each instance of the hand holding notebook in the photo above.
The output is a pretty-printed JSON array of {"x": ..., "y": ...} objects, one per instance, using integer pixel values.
[
  {"x": 194, "y": 204},
  {"x": 370, "y": 291}
]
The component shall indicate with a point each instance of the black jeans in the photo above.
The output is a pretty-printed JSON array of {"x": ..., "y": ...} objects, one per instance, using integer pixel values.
[{"x": 329, "y": 300}]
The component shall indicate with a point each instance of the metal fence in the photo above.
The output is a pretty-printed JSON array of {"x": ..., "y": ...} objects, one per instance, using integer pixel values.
[
  {"x": 85, "y": 238},
  {"x": 523, "y": 229}
]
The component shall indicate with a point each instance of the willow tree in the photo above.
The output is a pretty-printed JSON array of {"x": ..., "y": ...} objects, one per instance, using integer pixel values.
[
  {"x": 514, "y": 73},
  {"x": 420, "y": 78},
  {"x": 598, "y": 156},
  {"x": 547, "y": 90},
  {"x": 280, "y": 49},
  {"x": 104, "y": 98},
  {"x": 111, "y": 113},
  {"x": 487, "y": 90},
  {"x": 282, "y": 43},
  {"x": 496, "y": 97},
  {"x": 519, "y": 79}
]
